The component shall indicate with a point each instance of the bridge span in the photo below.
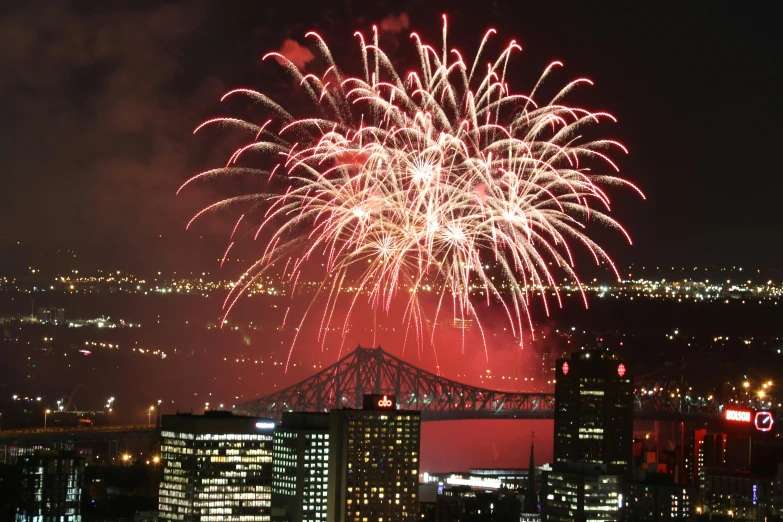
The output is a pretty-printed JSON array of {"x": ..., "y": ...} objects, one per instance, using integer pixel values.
[
  {"x": 374, "y": 371},
  {"x": 78, "y": 435}
]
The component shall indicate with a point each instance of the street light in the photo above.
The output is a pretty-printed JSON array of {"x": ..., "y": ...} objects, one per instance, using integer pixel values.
[
  {"x": 46, "y": 412},
  {"x": 149, "y": 415}
]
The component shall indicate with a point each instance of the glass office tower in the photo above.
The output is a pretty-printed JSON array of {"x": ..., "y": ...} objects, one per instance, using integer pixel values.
[{"x": 216, "y": 467}]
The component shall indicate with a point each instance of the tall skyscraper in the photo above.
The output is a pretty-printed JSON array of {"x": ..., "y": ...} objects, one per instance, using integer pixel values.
[
  {"x": 593, "y": 444},
  {"x": 301, "y": 467},
  {"x": 216, "y": 467},
  {"x": 374, "y": 463},
  {"x": 51, "y": 487},
  {"x": 593, "y": 412}
]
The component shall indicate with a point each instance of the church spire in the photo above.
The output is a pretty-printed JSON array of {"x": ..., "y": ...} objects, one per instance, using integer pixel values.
[{"x": 531, "y": 496}]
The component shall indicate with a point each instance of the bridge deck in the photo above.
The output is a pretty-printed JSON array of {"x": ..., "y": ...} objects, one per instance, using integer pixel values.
[{"x": 77, "y": 434}]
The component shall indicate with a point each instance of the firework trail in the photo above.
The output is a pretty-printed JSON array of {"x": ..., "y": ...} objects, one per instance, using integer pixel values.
[{"x": 443, "y": 179}]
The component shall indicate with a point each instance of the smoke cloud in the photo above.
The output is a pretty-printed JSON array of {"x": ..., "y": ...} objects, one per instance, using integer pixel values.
[
  {"x": 395, "y": 24},
  {"x": 297, "y": 54}
]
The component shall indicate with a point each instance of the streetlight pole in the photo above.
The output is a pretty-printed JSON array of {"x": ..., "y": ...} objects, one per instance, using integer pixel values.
[
  {"x": 149, "y": 416},
  {"x": 46, "y": 412}
]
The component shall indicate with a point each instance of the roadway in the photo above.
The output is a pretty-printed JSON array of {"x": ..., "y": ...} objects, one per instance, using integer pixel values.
[{"x": 43, "y": 436}]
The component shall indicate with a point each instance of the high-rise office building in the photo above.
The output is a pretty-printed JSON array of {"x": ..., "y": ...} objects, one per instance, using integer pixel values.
[
  {"x": 373, "y": 463},
  {"x": 593, "y": 412},
  {"x": 51, "y": 487},
  {"x": 301, "y": 467},
  {"x": 593, "y": 443},
  {"x": 216, "y": 467},
  {"x": 581, "y": 497}
]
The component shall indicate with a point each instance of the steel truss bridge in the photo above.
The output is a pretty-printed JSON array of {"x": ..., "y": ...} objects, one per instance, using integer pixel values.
[{"x": 374, "y": 371}]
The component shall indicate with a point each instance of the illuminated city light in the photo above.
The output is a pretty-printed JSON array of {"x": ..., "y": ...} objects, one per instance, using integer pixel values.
[{"x": 456, "y": 480}]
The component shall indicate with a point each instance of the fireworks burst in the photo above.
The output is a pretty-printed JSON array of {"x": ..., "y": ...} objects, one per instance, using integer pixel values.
[{"x": 433, "y": 179}]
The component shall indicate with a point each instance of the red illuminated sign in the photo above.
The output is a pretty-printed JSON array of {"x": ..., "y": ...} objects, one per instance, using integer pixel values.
[
  {"x": 738, "y": 415},
  {"x": 565, "y": 368},
  {"x": 385, "y": 402},
  {"x": 621, "y": 370},
  {"x": 763, "y": 421},
  {"x": 379, "y": 402}
]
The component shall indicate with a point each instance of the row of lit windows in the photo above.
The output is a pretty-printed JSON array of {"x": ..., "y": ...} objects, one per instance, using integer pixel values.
[
  {"x": 234, "y": 436},
  {"x": 385, "y": 428},
  {"x": 218, "y": 481},
  {"x": 240, "y": 458},
  {"x": 168, "y": 499},
  {"x": 168, "y": 492},
  {"x": 247, "y": 493},
  {"x": 240, "y": 518},
  {"x": 259, "y": 500},
  {"x": 382, "y": 428},
  {"x": 234, "y": 474},
  {"x": 173, "y": 435}
]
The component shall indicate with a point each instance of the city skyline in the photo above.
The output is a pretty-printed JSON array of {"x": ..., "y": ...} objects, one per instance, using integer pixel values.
[{"x": 249, "y": 252}]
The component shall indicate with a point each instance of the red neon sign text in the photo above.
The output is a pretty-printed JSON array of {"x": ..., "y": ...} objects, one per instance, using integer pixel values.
[
  {"x": 738, "y": 415},
  {"x": 621, "y": 370},
  {"x": 385, "y": 402},
  {"x": 565, "y": 368}
]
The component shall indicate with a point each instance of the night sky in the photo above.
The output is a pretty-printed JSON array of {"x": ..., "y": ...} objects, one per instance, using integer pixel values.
[{"x": 99, "y": 101}]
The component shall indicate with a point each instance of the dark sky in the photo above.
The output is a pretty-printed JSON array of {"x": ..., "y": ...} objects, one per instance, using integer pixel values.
[{"x": 99, "y": 101}]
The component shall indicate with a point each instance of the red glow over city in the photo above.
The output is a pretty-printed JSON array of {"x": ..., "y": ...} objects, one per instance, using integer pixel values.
[{"x": 738, "y": 415}]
